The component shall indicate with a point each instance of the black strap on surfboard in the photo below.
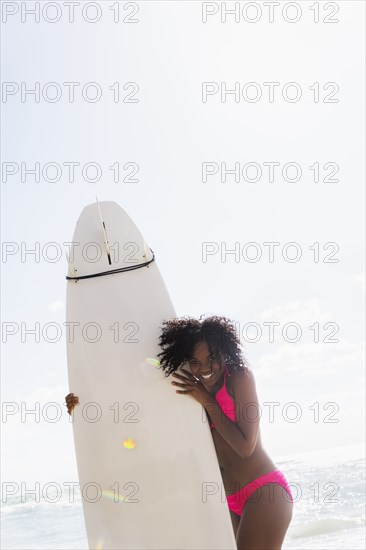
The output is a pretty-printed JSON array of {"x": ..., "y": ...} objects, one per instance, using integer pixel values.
[{"x": 120, "y": 270}]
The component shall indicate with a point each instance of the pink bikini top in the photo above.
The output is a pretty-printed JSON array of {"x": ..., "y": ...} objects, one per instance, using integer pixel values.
[{"x": 225, "y": 401}]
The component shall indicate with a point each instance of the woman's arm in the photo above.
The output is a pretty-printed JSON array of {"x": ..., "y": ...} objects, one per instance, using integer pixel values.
[{"x": 241, "y": 435}]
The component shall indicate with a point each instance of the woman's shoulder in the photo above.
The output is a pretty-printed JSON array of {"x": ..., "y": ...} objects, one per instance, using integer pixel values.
[
  {"x": 243, "y": 372},
  {"x": 243, "y": 383},
  {"x": 241, "y": 376}
]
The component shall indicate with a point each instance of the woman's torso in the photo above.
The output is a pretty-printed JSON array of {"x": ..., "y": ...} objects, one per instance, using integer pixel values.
[{"x": 235, "y": 470}]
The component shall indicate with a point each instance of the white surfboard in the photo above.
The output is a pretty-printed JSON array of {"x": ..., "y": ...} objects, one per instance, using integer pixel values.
[{"x": 147, "y": 466}]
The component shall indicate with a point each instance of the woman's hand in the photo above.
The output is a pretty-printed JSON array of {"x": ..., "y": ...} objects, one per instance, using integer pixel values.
[
  {"x": 193, "y": 387},
  {"x": 71, "y": 401}
]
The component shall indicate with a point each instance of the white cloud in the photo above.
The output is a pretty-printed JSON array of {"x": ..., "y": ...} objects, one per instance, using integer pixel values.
[
  {"x": 360, "y": 279},
  {"x": 38, "y": 446},
  {"x": 309, "y": 359},
  {"x": 58, "y": 305},
  {"x": 299, "y": 311},
  {"x": 47, "y": 394},
  {"x": 38, "y": 400}
]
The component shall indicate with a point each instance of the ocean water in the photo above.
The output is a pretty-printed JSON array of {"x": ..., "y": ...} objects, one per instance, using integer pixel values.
[
  {"x": 329, "y": 493},
  {"x": 329, "y": 511}
]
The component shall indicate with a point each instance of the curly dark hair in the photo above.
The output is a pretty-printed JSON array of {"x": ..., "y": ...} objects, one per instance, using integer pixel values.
[{"x": 179, "y": 337}]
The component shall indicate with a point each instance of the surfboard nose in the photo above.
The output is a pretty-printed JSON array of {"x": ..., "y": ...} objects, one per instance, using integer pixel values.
[{"x": 106, "y": 239}]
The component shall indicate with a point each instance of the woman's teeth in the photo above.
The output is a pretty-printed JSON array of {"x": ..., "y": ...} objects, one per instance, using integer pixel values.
[{"x": 207, "y": 375}]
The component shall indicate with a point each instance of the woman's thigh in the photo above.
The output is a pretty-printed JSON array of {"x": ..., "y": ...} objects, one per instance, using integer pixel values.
[{"x": 265, "y": 519}]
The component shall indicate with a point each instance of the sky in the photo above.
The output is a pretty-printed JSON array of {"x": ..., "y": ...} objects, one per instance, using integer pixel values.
[{"x": 159, "y": 142}]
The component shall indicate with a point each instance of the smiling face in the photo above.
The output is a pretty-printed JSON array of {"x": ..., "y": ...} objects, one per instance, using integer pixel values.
[{"x": 204, "y": 367}]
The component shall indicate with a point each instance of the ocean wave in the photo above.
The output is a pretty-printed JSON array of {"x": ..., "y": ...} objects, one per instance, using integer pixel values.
[
  {"x": 323, "y": 526},
  {"x": 32, "y": 506},
  {"x": 324, "y": 457}
]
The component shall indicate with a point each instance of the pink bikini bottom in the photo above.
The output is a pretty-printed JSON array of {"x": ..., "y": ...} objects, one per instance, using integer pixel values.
[{"x": 236, "y": 501}]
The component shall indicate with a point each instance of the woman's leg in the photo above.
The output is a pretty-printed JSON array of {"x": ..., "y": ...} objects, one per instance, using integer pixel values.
[{"x": 265, "y": 519}]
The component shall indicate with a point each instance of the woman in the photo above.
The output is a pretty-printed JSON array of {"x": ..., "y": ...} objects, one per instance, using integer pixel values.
[{"x": 258, "y": 494}]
